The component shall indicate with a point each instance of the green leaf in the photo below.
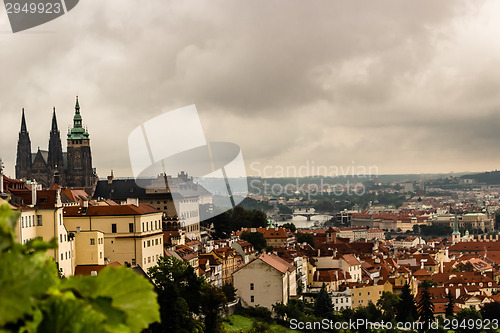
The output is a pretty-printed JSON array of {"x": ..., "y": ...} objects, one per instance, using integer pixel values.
[
  {"x": 8, "y": 223},
  {"x": 23, "y": 279},
  {"x": 38, "y": 244},
  {"x": 129, "y": 293},
  {"x": 70, "y": 315}
]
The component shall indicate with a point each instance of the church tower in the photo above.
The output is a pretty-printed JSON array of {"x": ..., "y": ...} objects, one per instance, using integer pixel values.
[
  {"x": 455, "y": 236},
  {"x": 79, "y": 170},
  {"x": 55, "y": 159},
  {"x": 23, "y": 161}
]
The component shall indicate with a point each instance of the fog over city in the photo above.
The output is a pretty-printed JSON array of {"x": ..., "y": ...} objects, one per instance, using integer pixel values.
[{"x": 400, "y": 86}]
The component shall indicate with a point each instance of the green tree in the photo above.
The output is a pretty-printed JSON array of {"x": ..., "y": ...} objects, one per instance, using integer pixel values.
[
  {"x": 304, "y": 237},
  {"x": 323, "y": 306},
  {"x": 461, "y": 267},
  {"x": 255, "y": 238},
  {"x": 34, "y": 298},
  {"x": 370, "y": 312},
  {"x": 295, "y": 309},
  {"x": 450, "y": 305},
  {"x": 464, "y": 316},
  {"x": 425, "y": 306},
  {"x": 179, "y": 295},
  {"x": 491, "y": 311},
  {"x": 407, "y": 309},
  {"x": 258, "y": 312},
  {"x": 324, "y": 206},
  {"x": 427, "y": 284},
  {"x": 284, "y": 209},
  {"x": 388, "y": 304},
  {"x": 290, "y": 226},
  {"x": 213, "y": 302},
  {"x": 260, "y": 327},
  {"x": 229, "y": 291},
  {"x": 235, "y": 219}
]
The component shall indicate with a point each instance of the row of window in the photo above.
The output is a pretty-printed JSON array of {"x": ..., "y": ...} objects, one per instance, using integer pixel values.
[
  {"x": 99, "y": 241},
  {"x": 150, "y": 258},
  {"x": 192, "y": 227},
  {"x": 151, "y": 202},
  {"x": 29, "y": 221},
  {"x": 63, "y": 237},
  {"x": 65, "y": 255},
  {"x": 187, "y": 215},
  {"x": 152, "y": 242},
  {"x": 147, "y": 226},
  {"x": 379, "y": 292}
]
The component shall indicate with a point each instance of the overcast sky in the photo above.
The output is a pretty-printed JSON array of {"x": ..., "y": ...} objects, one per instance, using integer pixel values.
[{"x": 405, "y": 86}]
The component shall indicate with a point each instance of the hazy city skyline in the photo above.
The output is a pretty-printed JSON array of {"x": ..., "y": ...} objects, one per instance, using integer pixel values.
[{"x": 406, "y": 87}]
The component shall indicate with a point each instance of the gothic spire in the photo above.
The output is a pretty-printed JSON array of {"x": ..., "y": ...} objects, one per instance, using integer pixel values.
[
  {"x": 24, "y": 128},
  {"x": 54, "y": 122},
  {"x": 55, "y": 157},
  {"x": 77, "y": 106},
  {"x": 23, "y": 159}
]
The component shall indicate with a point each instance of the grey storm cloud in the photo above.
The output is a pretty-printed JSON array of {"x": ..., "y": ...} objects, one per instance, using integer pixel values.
[{"x": 409, "y": 86}]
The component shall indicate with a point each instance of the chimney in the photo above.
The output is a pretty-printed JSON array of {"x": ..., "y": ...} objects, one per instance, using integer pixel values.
[
  {"x": 33, "y": 193},
  {"x": 111, "y": 178},
  {"x": 133, "y": 201}
]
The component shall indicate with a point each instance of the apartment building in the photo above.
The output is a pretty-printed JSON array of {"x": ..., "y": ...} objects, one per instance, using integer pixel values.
[
  {"x": 132, "y": 233},
  {"x": 41, "y": 216},
  {"x": 265, "y": 281}
]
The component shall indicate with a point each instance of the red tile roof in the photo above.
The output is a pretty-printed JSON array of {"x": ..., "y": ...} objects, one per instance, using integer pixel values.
[{"x": 110, "y": 210}]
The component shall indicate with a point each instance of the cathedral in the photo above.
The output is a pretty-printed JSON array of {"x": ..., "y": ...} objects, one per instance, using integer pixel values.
[{"x": 69, "y": 169}]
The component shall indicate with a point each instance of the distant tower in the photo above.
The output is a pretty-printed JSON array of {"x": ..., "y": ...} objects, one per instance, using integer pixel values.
[
  {"x": 55, "y": 157},
  {"x": 23, "y": 161},
  {"x": 455, "y": 236},
  {"x": 79, "y": 171}
]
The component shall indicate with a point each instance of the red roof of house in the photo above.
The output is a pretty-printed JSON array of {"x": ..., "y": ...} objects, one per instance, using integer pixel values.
[
  {"x": 273, "y": 261},
  {"x": 350, "y": 259},
  {"x": 475, "y": 246},
  {"x": 276, "y": 262},
  {"x": 110, "y": 210}
]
